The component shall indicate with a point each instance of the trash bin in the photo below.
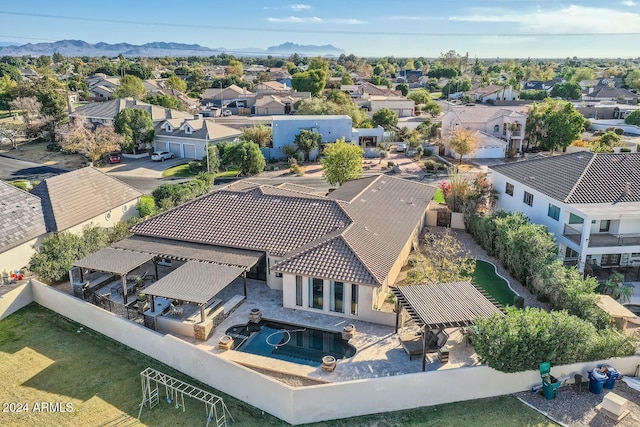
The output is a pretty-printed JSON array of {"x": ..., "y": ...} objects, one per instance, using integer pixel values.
[
  {"x": 596, "y": 381},
  {"x": 550, "y": 383},
  {"x": 612, "y": 376}
]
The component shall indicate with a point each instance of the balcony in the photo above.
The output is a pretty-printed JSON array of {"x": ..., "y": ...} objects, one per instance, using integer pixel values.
[{"x": 602, "y": 239}]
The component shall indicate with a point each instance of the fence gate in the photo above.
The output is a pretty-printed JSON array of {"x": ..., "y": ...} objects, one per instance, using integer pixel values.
[{"x": 444, "y": 219}]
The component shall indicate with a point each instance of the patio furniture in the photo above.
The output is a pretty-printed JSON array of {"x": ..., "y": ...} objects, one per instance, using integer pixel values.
[
  {"x": 412, "y": 343},
  {"x": 176, "y": 310},
  {"x": 135, "y": 277}
]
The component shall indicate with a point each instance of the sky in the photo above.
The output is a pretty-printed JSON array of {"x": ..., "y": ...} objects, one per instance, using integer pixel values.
[{"x": 403, "y": 28}]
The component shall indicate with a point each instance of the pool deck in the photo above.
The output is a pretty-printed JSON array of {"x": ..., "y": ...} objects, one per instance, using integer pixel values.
[{"x": 378, "y": 349}]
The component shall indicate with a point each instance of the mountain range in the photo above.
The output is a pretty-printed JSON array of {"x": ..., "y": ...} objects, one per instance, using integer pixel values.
[{"x": 158, "y": 49}]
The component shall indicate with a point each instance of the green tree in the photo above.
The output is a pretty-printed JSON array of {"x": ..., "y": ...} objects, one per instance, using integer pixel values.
[
  {"x": 554, "y": 124},
  {"x": 247, "y": 156},
  {"x": 135, "y": 126},
  {"x": 632, "y": 79},
  {"x": 581, "y": 74},
  {"x": 56, "y": 255},
  {"x": 419, "y": 96},
  {"x": 214, "y": 160},
  {"x": 342, "y": 162},
  {"x": 385, "y": 117},
  {"x": 346, "y": 80},
  {"x": 309, "y": 81},
  {"x": 175, "y": 82},
  {"x": 533, "y": 95},
  {"x": 235, "y": 68},
  {"x": 433, "y": 108},
  {"x": 403, "y": 88},
  {"x": 11, "y": 71},
  {"x": 130, "y": 87},
  {"x": 566, "y": 91},
  {"x": 633, "y": 118},
  {"x": 146, "y": 206},
  {"x": 44, "y": 61},
  {"x": 140, "y": 71},
  {"x": 166, "y": 101},
  {"x": 306, "y": 141},
  {"x": 93, "y": 144},
  {"x": 464, "y": 142},
  {"x": 259, "y": 134}
]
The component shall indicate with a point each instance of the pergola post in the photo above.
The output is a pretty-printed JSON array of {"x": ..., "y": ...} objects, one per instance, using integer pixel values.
[
  {"x": 201, "y": 312},
  {"x": 153, "y": 304},
  {"x": 155, "y": 266},
  {"x": 244, "y": 282},
  {"x": 397, "y": 314},
  {"x": 123, "y": 280},
  {"x": 424, "y": 348}
]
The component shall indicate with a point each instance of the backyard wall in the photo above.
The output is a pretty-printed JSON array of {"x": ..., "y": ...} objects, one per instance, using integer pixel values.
[
  {"x": 305, "y": 404},
  {"x": 13, "y": 298}
]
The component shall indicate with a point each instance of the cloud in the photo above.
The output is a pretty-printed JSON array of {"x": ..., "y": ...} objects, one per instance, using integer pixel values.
[
  {"x": 571, "y": 19},
  {"x": 415, "y": 18},
  {"x": 316, "y": 20},
  {"x": 629, "y": 3},
  {"x": 300, "y": 6}
]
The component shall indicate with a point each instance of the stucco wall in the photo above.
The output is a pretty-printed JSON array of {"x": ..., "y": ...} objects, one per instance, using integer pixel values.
[
  {"x": 120, "y": 213},
  {"x": 331, "y": 128},
  {"x": 13, "y": 298},
  {"x": 18, "y": 257}
]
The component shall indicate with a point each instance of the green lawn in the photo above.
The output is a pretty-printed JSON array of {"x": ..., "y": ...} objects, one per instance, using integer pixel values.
[
  {"x": 45, "y": 357},
  {"x": 485, "y": 276},
  {"x": 438, "y": 197},
  {"x": 182, "y": 171}
]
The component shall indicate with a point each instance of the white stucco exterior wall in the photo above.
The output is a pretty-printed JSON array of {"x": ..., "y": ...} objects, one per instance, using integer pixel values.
[
  {"x": 18, "y": 257},
  {"x": 109, "y": 219}
]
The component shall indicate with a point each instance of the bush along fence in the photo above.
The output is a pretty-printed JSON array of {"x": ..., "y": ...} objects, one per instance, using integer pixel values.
[{"x": 577, "y": 331}]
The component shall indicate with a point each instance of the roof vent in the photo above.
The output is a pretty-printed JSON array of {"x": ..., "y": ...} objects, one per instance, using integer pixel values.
[
  {"x": 276, "y": 200},
  {"x": 341, "y": 224},
  {"x": 627, "y": 188}
]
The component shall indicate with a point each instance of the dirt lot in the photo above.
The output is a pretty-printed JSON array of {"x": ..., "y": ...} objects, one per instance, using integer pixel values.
[{"x": 37, "y": 152}]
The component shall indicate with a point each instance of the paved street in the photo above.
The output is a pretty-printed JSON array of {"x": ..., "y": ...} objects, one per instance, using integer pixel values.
[{"x": 12, "y": 169}]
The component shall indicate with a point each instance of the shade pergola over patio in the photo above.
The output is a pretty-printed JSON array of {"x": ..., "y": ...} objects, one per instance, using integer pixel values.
[
  {"x": 195, "y": 281},
  {"x": 116, "y": 261},
  {"x": 443, "y": 305}
]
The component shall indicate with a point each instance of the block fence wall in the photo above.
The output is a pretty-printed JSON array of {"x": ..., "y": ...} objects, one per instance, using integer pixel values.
[{"x": 296, "y": 405}]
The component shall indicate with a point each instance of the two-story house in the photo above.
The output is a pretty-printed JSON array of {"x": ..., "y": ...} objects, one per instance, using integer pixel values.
[
  {"x": 502, "y": 128},
  {"x": 590, "y": 202}
]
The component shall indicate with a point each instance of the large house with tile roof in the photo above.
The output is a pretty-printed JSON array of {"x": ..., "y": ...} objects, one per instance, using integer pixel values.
[
  {"x": 337, "y": 255},
  {"x": 105, "y": 112},
  {"x": 496, "y": 124},
  {"x": 187, "y": 138},
  {"x": 590, "y": 202},
  {"x": 85, "y": 196},
  {"x": 22, "y": 227}
]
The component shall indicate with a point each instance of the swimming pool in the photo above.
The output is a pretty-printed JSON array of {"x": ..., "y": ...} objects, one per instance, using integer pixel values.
[{"x": 288, "y": 342}]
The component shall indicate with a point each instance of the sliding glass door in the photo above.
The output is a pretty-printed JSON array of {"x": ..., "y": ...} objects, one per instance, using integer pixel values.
[
  {"x": 316, "y": 292},
  {"x": 337, "y": 297}
]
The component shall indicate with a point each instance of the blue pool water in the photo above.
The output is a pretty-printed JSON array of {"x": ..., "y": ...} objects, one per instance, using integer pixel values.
[{"x": 291, "y": 343}]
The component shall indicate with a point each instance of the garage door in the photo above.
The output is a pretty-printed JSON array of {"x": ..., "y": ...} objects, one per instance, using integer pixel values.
[
  {"x": 189, "y": 151},
  {"x": 489, "y": 153},
  {"x": 161, "y": 146},
  {"x": 175, "y": 149}
]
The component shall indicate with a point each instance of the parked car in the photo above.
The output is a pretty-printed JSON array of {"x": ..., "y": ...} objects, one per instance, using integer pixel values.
[
  {"x": 161, "y": 156},
  {"x": 401, "y": 147},
  {"x": 226, "y": 113},
  {"x": 113, "y": 158}
]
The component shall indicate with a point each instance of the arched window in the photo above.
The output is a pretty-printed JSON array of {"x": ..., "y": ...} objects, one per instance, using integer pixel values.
[{"x": 496, "y": 128}]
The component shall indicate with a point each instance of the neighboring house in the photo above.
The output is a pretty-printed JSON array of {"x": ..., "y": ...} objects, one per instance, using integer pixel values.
[
  {"x": 223, "y": 96},
  {"x": 158, "y": 87},
  {"x": 368, "y": 139},
  {"x": 279, "y": 73},
  {"x": 590, "y": 202},
  {"x": 22, "y": 227},
  {"x": 105, "y": 112},
  {"x": 85, "y": 196},
  {"x": 493, "y": 93},
  {"x": 489, "y": 147},
  {"x": 28, "y": 73},
  {"x": 366, "y": 88},
  {"x": 330, "y": 128},
  {"x": 102, "y": 87},
  {"x": 542, "y": 85},
  {"x": 335, "y": 255},
  {"x": 187, "y": 138},
  {"x": 271, "y": 87},
  {"x": 276, "y": 104},
  {"x": 608, "y": 93},
  {"x": 400, "y": 105},
  {"x": 502, "y": 123}
]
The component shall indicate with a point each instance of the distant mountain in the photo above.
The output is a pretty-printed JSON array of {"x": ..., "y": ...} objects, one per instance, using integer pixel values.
[
  {"x": 9, "y": 44},
  {"x": 155, "y": 49}
]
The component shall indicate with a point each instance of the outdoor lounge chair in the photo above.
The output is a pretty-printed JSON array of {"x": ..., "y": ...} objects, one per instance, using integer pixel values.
[
  {"x": 412, "y": 343},
  {"x": 176, "y": 310}
]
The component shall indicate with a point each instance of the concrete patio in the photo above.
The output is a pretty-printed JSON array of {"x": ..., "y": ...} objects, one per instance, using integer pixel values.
[{"x": 379, "y": 353}]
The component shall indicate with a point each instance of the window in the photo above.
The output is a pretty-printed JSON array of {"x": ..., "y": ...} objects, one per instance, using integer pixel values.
[
  {"x": 299, "y": 291},
  {"x": 610, "y": 259},
  {"x": 316, "y": 291},
  {"x": 496, "y": 128},
  {"x": 570, "y": 253},
  {"x": 278, "y": 274},
  {"x": 509, "y": 189},
  {"x": 604, "y": 225},
  {"x": 528, "y": 198},
  {"x": 553, "y": 212},
  {"x": 337, "y": 297},
  {"x": 575, "y": 219},
  {"x": 354, "y": 299},
  {"x": 635, "y": 255}
]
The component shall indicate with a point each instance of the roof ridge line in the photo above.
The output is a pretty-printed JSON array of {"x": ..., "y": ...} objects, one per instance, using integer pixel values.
[
  {"x": 360, "y": 259},
  {"x": 580, "y": 178}
]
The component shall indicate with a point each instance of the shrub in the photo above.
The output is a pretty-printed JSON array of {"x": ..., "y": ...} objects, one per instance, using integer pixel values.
[
  {"x": 518, "y": 301},
  {"x": 522, "y": 339},
  {"x": 146, "y": 206},
  {"x": 21, "y": 184},
  {"x": 390, "y": 165},
  {"x": 431, "y": 165}
]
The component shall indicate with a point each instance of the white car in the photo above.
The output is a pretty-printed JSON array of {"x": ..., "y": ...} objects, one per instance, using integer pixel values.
[
  {"x": 401, "y": 148},
  {"x": 226, "y": 113},
  {"x": 161, "y": 156}
]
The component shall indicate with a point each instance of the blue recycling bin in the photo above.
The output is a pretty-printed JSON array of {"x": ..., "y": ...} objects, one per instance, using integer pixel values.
[
  {"x": 612, "y": 376},
  {"x": 596, "y": 381}
]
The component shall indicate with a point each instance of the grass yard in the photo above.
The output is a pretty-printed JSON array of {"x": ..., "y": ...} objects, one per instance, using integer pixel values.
[
  {"x": 485, "y": 276},
  {"x": 182, "y": 171},
  {"x": 45, "y": 357}
]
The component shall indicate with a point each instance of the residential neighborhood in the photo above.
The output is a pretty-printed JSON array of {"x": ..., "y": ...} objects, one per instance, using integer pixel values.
[{"x": 317, "y": 232}]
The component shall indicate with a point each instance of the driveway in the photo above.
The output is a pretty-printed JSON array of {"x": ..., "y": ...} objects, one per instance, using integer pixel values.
[
  {"x": 144, "y": 174},
  {"x": 12, "y": 168}
]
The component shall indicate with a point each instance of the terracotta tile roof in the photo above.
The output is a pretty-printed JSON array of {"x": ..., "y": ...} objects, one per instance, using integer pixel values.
[
  {"x": 582, "y": 177},
  {"x": 77, "y": 196},
  {"x": 21, "y": 217}
]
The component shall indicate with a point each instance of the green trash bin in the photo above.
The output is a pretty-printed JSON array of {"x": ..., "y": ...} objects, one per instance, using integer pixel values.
[{"x": 550, "y": 384}]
